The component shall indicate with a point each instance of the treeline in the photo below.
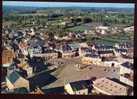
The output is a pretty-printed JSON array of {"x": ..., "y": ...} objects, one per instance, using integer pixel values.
[
  {"x": 105, "y": 18},
  {"x": 113, "y": 18}
]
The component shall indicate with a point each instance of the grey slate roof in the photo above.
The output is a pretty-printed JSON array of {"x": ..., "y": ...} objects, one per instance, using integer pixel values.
[
  {"x": 127, "y": 65},
  {"x": 13, "y": 77},
  {"x": 21, "y": 91},
  {"x": 79, "y": 85}
]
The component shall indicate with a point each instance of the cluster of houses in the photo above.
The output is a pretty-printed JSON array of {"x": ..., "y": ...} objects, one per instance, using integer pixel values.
[{"x": 28, "y": 45}]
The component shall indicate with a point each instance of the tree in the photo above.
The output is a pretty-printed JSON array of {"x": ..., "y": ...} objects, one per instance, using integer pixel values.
[{"x": 87, "y": 20}]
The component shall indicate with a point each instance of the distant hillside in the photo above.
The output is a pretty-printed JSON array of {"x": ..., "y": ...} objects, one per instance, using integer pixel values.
[
  {"x": 26, "y": 9},
  {"x": 14, "y": 9}
]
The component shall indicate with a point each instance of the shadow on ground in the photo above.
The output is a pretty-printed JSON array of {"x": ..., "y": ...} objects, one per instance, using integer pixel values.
[{"x": 41, "y": 80}]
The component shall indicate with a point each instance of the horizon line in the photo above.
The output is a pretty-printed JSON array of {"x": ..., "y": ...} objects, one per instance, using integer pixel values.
[{"x": 67, "y": 4}]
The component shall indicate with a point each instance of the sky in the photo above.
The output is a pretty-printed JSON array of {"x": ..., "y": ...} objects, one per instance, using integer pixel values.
[{"x": 67, "y": 4}]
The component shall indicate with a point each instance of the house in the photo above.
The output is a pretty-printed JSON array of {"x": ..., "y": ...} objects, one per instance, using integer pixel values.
[
  {"x": 25, "y": 66},
  {"x": 36, "y": 41},
  {"x": 109, "y": 63},
  {"x": 90, "y": 59},
  {"x": 83, "y": 45},
  {"x": 129, "y": 29},
  {"x": 55, "y": 90},
  {"x": 78, "y": 88},
  {"x": 102, "y": 47},
  {"x": 21, "y": 90},
  {"x": 31, "y": 32},
  {"x": 84, "y": 50},
  {"x": 14, "y": 80},
  {"x": 73, "y": 46},
  {"x": 107, "y": 86},
  {"x": 68, "y": 54},
  {"x": 23, "y": 47},
  {"x": 101, "y": 30},
  {"x": 7, "y": 57},
  {"x": 37, "y": 91},
  {"x": 126, "y": 73},
  {"x": 126, "y": 45},
  {"x": 109, "y": 53},
  {"x": 18, "y": 34},
  {"x": 129, "y": 54},
  {"x": 37, "y": 50},
  {"x": 47, "y": 54},
  {"x": 126, "y": 67},
  {"x": 66, "y": 51},
  {"x": 120, "y": 50},
  {"x": 127, "y": 78}
]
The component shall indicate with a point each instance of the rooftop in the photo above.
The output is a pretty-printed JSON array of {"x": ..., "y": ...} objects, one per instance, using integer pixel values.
[
  {"x": 7, "y": 56},
  {"x": 21, "y": 91},
  {"x": 55, "y": 90},
  {"x": 109, "y": 87},
  {"x": 13, "y": 77},
  {"x": 128, "y": 65},
  {"x": 79, "y": 85},
  {"x": 91, "y": 55},
  {"x": 106, "y": 52}
]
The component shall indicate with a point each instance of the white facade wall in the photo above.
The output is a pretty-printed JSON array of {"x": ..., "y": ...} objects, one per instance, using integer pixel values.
[
  {"x": 124, "y": 70},
  {"x": 126, "y": 81}
]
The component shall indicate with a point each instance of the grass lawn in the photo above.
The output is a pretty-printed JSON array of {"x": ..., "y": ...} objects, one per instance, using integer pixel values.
[{"x": 112, "y": 39}]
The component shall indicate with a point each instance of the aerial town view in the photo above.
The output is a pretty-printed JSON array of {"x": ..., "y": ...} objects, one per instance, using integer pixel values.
[{"x": 67, "y": 48}]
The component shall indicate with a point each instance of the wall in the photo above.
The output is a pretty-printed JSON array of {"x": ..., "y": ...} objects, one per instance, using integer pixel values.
[
  {"x": 68, "y": 89},
  {"x": 126, "y": 81},
  {"x": 9, "y": 84}
]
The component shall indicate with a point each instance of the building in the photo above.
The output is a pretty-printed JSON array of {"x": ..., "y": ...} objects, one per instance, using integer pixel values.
[
  {"x": 84, "y": 50},
  {"x": 78, "y": 87},
  {"x": 55, "y": 90},
  {"x": 31, "y": 32},
  {"x": 120, "y": 51},
  {"x": 7, "y": 57},
  {"x": 129, "y": 29},
  {"x": 74, "y": 46},
  {"x": 25, "y": 66},
  {"x": 127, "y": 78},
  {"x": 48, "y": 55},
  {"x": 83, "y": 45},
  {"x": 126, "y": 73},
  {"x": 68, "y": 54},
  {"x": 126, "y": 67},
  {"x": 14, "y": 80},
  {"x": 21, "y": 90},
  {"x": 91, "y": 59},
  {"x": 106, "y": 86},
  {"x": 7, "y": 60},
  {"x": 37, "y": 91},
  {"x": 102, "y": 47},
  {"x": 109, "y": 53},
  {"x": 101, "y": 30},
  {"x": 23, "y": 46}
]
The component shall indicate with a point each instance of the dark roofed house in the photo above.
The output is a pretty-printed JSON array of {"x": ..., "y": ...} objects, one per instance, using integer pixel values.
[
  {"x": 13, "y": 77},
  {"x": 74, "y": 46},
  {"x": 56, "y": 90},
  {"x": 79, "y": 87},
  {"x": 14, "y": 80},
  {"x": 36, "y": 41},
  {"x": 121, "y": 50},
  {"x": 109, "y": 53},
  {"x": 128, "y": 65},
  {"x": 102, "y": 47},
  {"x": 22, "y": 90},
  {"x": 92, "y": 55}
]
